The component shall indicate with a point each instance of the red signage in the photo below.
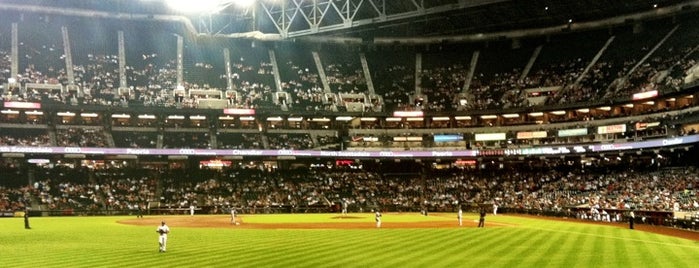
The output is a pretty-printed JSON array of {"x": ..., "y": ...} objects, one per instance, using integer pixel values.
[
  {"x": 22, "y": 105},
  {"x": 408, "y": 114},
  {"x": 645, "y": 95},
  {"x": 239, "y": 111}
]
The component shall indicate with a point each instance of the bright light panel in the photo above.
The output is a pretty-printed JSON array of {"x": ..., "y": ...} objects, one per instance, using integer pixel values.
[
  {"x": 200, "y": 6},
  {"x": 244, "y": 3}
]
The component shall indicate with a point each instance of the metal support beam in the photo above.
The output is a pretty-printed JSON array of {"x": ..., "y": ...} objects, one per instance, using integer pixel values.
[
  {"x": 229, "y": 72},
  {"x": 122, "y": 61},
  {"x": 275, "y": 70},
  {"x": 418, "y": 73},
  {"x": 180, "y": 61},
  {"x": 68, "y": 56},
  {"x": 471, "y": 71},
  {"x": 14, "y": 68},
  {"x": 318, "y": 16}
]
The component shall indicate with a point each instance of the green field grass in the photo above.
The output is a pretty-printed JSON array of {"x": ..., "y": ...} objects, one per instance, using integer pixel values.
[{"x": 514, "y": 242}]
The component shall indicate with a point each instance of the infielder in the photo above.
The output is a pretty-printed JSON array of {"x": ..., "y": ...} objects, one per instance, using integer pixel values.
[
  {"x": 344, "y": 207},
  {"x": 377, "y": 216},
  {"x": 233, "y": 221},
  {"x": 162, "y": 230}
]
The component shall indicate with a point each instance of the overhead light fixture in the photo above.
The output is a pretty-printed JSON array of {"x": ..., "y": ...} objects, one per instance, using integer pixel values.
[
  {"x": 146, "y": 116},
  {"x": 278, "y": 118},
  {"x": 343, "y": 118},
  {"x": 88, "y": 114},
  {"x": 121, "y": 116}
]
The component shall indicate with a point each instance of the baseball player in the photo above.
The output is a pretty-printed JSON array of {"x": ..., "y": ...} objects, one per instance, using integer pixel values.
[
  {"x": 460, "y": 216},
  {"x": 377, "y": 217},
  {"x": 233, "y": 212},
  {"x": 344, "y": 206},
  {"x": 162, "y": 230}
]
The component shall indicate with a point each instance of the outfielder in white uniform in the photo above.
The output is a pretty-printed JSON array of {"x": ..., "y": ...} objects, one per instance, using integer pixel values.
[
  {"x": 460, "y": 216},
  {"x": 162, "y": 230}
]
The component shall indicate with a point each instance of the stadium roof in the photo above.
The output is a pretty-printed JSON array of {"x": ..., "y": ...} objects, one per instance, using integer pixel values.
[{"x": 364, "y": 19}]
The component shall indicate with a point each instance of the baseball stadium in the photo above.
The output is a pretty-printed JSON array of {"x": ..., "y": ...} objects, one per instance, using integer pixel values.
[{"x": 349, "y": 133}]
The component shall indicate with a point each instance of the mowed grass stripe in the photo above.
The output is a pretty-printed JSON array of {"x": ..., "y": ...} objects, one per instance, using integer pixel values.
[
  {"x": 675, "y": 256},
  {"x": 544, "y": 253},
  {"x": 630, "y": 249},
  {"x": 530, "y": 250},
  {"x": 341, "y": 246},
  {"x": 408, "y": 246},
  {"x": 254, "y": 249},
  {"x": 479, "y": 243},
  {"x": 372, "y": 243},
  {"x": 219, "y": 250},
  {"x": 303, "y": 247},
  {"x": 206, "y": 249},
  {"x": 312, "y": 248},
  {"x": 586, "y": 254},
  {"x": 563, "y": 254},
  {"x": 288, "y": 254},
  {"x": 647, "y": 256},
  {"x": 669, "y": 256},
  {"x": 427, "y": 248},
  {"x": 504, "y": 250},
  {"x": 598, "y": 251},
  {"x": 441, "y": 251},
  {"x": 391, "y": 246}
]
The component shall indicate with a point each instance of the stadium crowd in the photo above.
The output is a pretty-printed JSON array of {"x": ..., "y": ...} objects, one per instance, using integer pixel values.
[
  {"x": 556, "y": 186},
  {"x": 631, "y": 64},
  {"x": 634, "y": 62}
]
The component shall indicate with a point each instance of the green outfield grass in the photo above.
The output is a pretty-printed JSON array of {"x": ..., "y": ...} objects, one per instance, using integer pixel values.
[{"x": 516, "y": 242}]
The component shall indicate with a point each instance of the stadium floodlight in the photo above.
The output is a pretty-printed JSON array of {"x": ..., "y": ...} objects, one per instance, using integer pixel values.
[
  {"x": 199, "y": 6},
  {"x": 244, "y": 3}
]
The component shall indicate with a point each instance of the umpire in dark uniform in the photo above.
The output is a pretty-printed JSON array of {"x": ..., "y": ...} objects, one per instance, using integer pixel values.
[
  {"x": 26, "y": 219},
  {"x": 481, "y": 219},
  {"x": 632, "y": 216}
]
